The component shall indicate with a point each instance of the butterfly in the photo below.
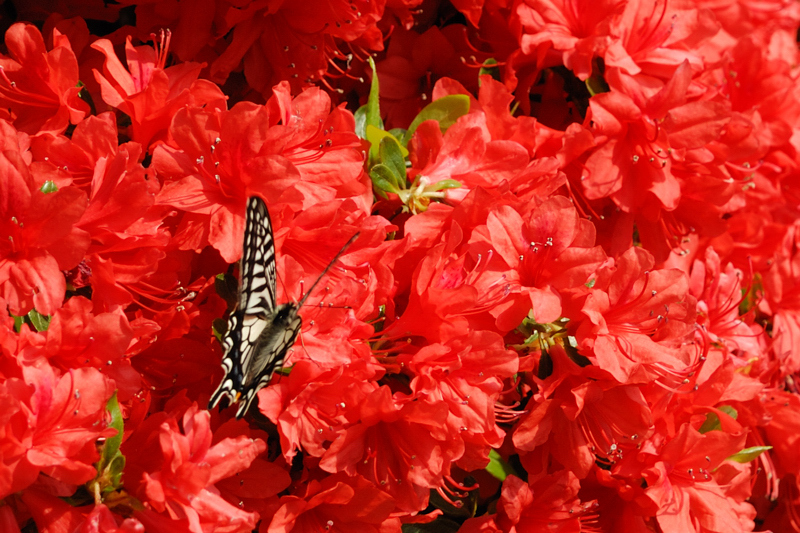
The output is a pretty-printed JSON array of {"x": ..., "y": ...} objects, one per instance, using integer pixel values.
[{"x": 260, "y": 331}]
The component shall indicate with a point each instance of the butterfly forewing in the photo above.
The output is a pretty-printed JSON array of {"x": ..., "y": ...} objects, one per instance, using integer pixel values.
[{"x": 257, "y": 285}]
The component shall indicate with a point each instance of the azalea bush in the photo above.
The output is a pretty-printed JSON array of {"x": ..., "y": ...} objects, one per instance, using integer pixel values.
[{"x": 573, "y": 304}]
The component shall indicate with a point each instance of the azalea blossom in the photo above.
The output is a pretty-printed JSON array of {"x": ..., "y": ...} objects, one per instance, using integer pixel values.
[{"x": 540, "y": 259}]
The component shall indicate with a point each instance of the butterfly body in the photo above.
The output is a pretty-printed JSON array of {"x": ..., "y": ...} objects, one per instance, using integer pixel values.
[
  {"x": 275, "y": 339},
  {"x": 260, "y": 331}
]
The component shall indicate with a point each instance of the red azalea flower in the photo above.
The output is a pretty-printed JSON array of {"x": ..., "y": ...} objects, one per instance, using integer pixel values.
[
  {"x": 546, "y": 249},
  {"x": 654, "y": 39},
  {"x": 313, "y": 406},
  {"x": 179, "y": 469},
  {"x": 40, "y": 87},
  {"x": 781, "y": 432},
  {"x": 77, "y": 338},
  {"x": 128, "y": 235},
  {"x": 496, "y": 101},
  {"x": 584, "y": 420},
  {"x": 681, "y": 483},
  {"x": 72, "y": 160},
  {"x": 257, "y": 486},
  {"x": 638, "y": 321},
  {"x": 414, "y": 62},
  {"x": 719, "y": 294},
  {"x": 51, "y": 426},
  {"x": 467, "y": 375},
  {"x": 102, "y": 520},
  {"x": 53, "y": 515},
  {"x": 748, "y": 17},
  {"x": 635, "y": 385},
  {"x": 150, "y": 93},
  {"x": 468, "y": 155},
  {"x": 456, "y": 287},
  {"x": 270, "y": 41},
  {"x": 673, "y": 145},
  {"x": 174, "y": 351},
  {"x": 402, "y": 446},
  {"x": 781, "y": 301},
  {"x": 338, "y": 503},
  {"x": 272, "y": 151},
  {"x": 550, "y": 504},
  {"x": 41, "y": 237},
  {"x": 578, "y": 30}
]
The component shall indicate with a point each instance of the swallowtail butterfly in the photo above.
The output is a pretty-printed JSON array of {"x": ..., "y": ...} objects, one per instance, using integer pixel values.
[{"x": 259, "y": 330}]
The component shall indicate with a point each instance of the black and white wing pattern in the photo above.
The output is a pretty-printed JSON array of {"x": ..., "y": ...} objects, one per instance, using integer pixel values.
[
  {"x": 257, "y": 284},
  {"x": 259, "y": 331}
]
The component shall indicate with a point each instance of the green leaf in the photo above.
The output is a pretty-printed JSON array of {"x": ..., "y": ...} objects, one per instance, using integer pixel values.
[
  {"x": 38, "y": 321},
  {"x": 112, "y": 462},
  {"x": 112, "y": 444},
  {"x": 18, "y": 321},
  {"x": 369, "y": 114},
  {"x": 445, "y": 111},
  {"x": 391, "y": 154},
  {"x": 490, "y": 67},
  {"x": 375, "y": 136},
  {"x": 748, "y": 454},
  {"x": 48, "y": 187},
  {"x": 373, "y": 101},
  {"x": 219, "y": 327},
  {"x": 397, "y": 133},
  {"x": 713, "y": 423},
  {"x": 383, "y": 178},
  {"x": 596, "y": 85},
  {"x": 446, "y": 184},
  {"x": 361, "y": 121},
  {"x": 498, "y": 467}
]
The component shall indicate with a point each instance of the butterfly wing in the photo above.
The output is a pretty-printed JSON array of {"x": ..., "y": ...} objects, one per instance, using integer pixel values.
[{"x": 255, "y": 307}]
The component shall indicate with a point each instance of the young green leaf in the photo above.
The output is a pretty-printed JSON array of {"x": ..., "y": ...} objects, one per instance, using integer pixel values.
[
  {"x": 373, "y": 104},
  {"x": 748, "y": 454},
  {"x": 219, "y": 327},
  {"x": 375, "y": 136},
  {"x": 391, "y": 154},
  {"x": 446, "y": 184},
  {"x": 384, "y": 179},
  {"x": 445, "y": 111},
  {"x": 38, "y": 321},
  {"x": 397, "y": 133},
  {"x": 713, "y": 422},
  {"x": 498, "y": 467},
  {"x": 490, "y": 67},
  {"x": 369, "y": 114},
  {"x": 112, "y": 462}
]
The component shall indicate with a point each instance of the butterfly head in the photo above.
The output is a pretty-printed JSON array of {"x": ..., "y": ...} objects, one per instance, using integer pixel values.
[{"x": 285, "y": 316}]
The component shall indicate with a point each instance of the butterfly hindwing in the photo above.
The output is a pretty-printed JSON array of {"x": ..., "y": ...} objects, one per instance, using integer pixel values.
[{"x": 269, "y": 351}]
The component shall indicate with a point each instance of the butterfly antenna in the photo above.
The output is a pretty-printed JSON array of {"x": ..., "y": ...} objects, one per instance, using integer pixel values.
[{"x": 327, "y": 268}]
